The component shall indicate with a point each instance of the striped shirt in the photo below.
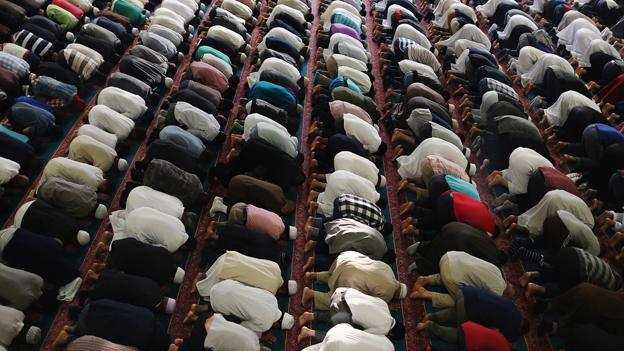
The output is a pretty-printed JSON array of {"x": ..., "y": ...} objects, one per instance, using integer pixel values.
[
  {"x": 14, "y": 64},
  {"x": 80, "y": 63},
  {"x": 422, "y": 55},
  {"x": 598, "y": 272},
  {"x": 32, "y": 42}
]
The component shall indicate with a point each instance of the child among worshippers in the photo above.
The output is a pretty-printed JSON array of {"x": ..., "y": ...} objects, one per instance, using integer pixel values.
[
  {"x": 256, "y": 219},
  {"x": 243, "y": 188}
]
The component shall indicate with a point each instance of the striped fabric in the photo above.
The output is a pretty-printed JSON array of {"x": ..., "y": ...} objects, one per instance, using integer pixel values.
[
  {"x": 422, "y": 55},
  {"x": 32, "y": 42},
  {"x": 598, "y": 272},
  {"x": 80, "y": 63},
  {"x": 14, "y": 64}
]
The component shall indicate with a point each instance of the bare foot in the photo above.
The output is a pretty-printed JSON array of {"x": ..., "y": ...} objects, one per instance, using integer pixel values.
[
  {"x": 406, "y": 208},
  {"x": 509, "y": 220},
  {"x": 306, "y": 318},
  {"x": 525, "y": 278},
  {"x": 101, "y": 248},
  {"x": 309, "y": 277},
  {"x": 616, "y": 239},
  {"x": 420, "y": 282},
  {"x": 533, "y": 289},
  {"x": 420, "y": 293},
  {"x": 305, "y": 333},
  {"x": 309, "y": 246},
  {"x": 91, "y": 276},
  {"x": 198, "y": 277},
  {"x": 62, "y": 339},
  {"x": 309, "y": 265},
  {"x": 307, "y": 296},
  {"x": 190, "y": 318},
  {"x": 422, "y": 326}
]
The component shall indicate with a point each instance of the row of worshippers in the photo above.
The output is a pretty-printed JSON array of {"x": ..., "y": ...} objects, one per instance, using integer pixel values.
[
  {"x": 71, "y": 186},
  {"x": 453, "y": 229},
  {"x": 246, "y": 253},
  {"x": 346, "y": 231},
  {"x": 549, "y": 205},
  {"x": 42, "y": 83}
]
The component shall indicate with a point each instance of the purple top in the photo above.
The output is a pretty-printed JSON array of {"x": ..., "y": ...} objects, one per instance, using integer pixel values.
[{"x": 341, "y": 28}]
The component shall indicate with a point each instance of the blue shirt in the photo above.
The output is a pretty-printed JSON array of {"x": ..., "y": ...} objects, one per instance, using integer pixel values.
[
  {"x": 24, "y": 115},
  {"x": 184, "y": 139},
  {"x": 344, "y": 82},
  {"x": 343, "y": 18},
  {"x": 32, "y": 101},
  {"x": 13, "y": 134},
  {"x": 608, "y": 135},
  {"x": 462, "y": 186},
  {"x": 275, "y": 94}
]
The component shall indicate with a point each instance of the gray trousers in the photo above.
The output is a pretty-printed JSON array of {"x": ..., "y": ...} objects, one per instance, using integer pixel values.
[{"x": 456, "y": 314}]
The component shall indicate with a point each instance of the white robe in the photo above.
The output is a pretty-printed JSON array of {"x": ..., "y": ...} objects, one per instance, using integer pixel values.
[
  {"x": 362, "y": 131},
  {"x": 111, "y": 121},
  {"x": 581, "y": 236},
  {"x": 196, "y": 121},
  {"x": 369, "y": 312},
  {"x": 155, "y": 228},
  {"x": 227, "y": 336},
  {"x": 128, "y": 104},
  {"x": 538, "y": 71},
  {"x": 365, "y": 168},
  {"x": 11, "y": 324},
  {"x": 8, "y": 170},
  {"x": 344, "y": 182},
  {"x": 144, "y": 196},
  {"x": 98, "y": 134},
  {"x": 522, "y": 163},
  {"x": 470, "y": 32},
  {"x": 554, "y": 200},
  {"x": 557, "y": 113},
  {"x": 343, "y": 337},
  {"x": 409, "y": 166},
  {"x": 74, "y": 171}
]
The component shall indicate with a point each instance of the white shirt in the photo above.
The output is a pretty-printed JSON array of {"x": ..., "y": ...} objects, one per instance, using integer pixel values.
[
  {"x": 344, "y": 182},
  {"x": 228, "y": 336},
  {"x": 274, "y": 63},
  {"x": 343, "y": 60},
  {"x": 74, "y": 171},
  {"x": 522, "y": 163},
  {"x": 128, "y": 104},
  {"x": 283, "y": 34},
  {"x": 537, "y": 72},
  {"x": 11, "y": 323},
  {"x": 298, "y": 5},
  {"x": 360, "y": 78},
  {"x": 554, "y": 200},
  {"x": 362, "y": 131},
  {"x": 335, "y": 5},
  {"x": 581, "y": 236},
  {"x": 111, "y": 121},
  {"x": 410, "y": 66},
  {"x": 219, "y": 64},
  {"x": 20, "y": 213},
  {"x": 557, "y": 113},
  {"x": 237, "y": 8},
  {"x": 404, "y": 30},
  {"x": 8, "y": 170},
  {"x": 365, "y": 168},
  {"x": 181, "y": 8},
  {"x": 409, "y": 166},
  {"x": 369, "y": 312},
  {"x": 295, "y": 14},
  {"x": 169, "y": 19},
  {"x": 144, "y": 196},
  {"x": 253, "y": 119},
  {"x": 343, "y": 337},
  {"x": 227, "y": 34},
  {"x": 257, "y": 308},
  {"x": 156, "y": 228},
  {"x": 197, "y": 122},
  {"x": 98, "y": 134}
]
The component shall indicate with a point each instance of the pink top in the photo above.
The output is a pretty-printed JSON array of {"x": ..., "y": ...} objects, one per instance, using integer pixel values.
[
  {"x": 263, "y": 221},
  {"x": 69, "y": 7},
  {"x": 209, "y": 75},
  {"x": 338, "y": 108}
]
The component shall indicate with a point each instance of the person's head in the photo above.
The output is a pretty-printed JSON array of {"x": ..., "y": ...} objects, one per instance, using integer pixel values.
[
  {"x": 397, "y": 332},
  {"x": 389, "y": 257},
  {"x": 401, "y": 291},
  {"x": 20, "y": 181},
  {"x": 105, "y": 187}
]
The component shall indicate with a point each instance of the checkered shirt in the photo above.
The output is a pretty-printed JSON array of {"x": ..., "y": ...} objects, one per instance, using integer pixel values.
[{"x": 359, "y": 209}]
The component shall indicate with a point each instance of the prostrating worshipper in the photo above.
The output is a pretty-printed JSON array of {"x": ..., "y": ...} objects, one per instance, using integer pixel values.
[
  {"x": 253, "y": 191},
  {"x": 124, "y": 102},
  {"x": 168, "y": 151},
  {"x": 113, "y": 122},
  {"x": 152, "y": 227},
  {"x": 33, "y": 121},
  {"x": 259, "y": 273},
  {"x": 156, "y": 262},
  {"x": 144, "y": 196},
  {"x": 86, "y": 149},
  {"x": 77, "y": 172},
  {"x": 481, "y": 307},
  {"x": 90, "y": 341},
  {"x": 437, "y": 185},
  {"x": 56, "y": 93},
  {"x": 201, "y": 124},
  {"x": 409, "y": 165},
  {"x": 354, "y": 270},
  {"x": 10, "y": 179},
  {"x": 583, "y": 304},
  {"x": 346, "y": 337},
  {"x": 77, "y": 200},
  {"x": 38, "y": 216},
  {"x": 47, "y": 260},
  {"x": 233, "y": 237},
  {"x": 20, "y": 289},
  {"x": 164, "y": 176},
  {"x": 454, "y": 236},
  {"x": 126, "y": 288},
  {"x": 256, "y": 308},
  {"x": 258, "y": 220},
  {"x": 13, "y": 330},
  {"x": 368, "y": 313},
  {"x": 459, "y": 269},
  {"x": 118, "y": 322}
]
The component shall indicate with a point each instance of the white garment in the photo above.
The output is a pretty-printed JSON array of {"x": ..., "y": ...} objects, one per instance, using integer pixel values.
[
  {"x": 196, "y": 121},
  {"x": 227, "y": 336},
  {"x": 362, "y": 131},
  {"x": 253, "y": 119},
  {"x": 111, "y": 121},
  {"x": 226, "y": 34},
  {"x": 522, "y": 163},
  {"x": 257, "y": 308},
  {"x": 98, "y": 134},
  {"x": 356, "y": 164},
  {"x": 409, "y": 166},
  {"x": 470, "y": 32},
  {"x": 155, "y": 228},
  {"x": 527, "y": 57},
  {"x": 11, "y": 323},
  {"x": 581, "y": 236},
  {"x": 343, "y": 38},
  {"x": 462, "y": 269},
  {"x": 569, "y": 17},
  {"x": 237, "y": 8},
  {"x": 144, "y": 196},
  {"x": 126, "y": 103},
  {"x": 344, "y": 182},
  {"x": 74, "y": 171},
  {"x": 443, "y": 22},
  {"x": 167, "y": 18},
  {"x": 597, "y": 45},
  {"x": 489, "y": 8},
  {"x": 335, "y": 5},
  {"x": 404, "y": 30},
  {"x": 538, "y": 71},
  {"x": 582, "y": 42},
  {"x": 180, "y": 8},
  {"x": 298, "y": 5},
  {"x": 557, "y": 113},
  {"x": 554, "y": 200},
  {"x": 276, "y": 64},
  {"x": 343, "y": 60},
  {"x": 369, "y": 312},
  {"x": 276, "y": 136},
  {"x": 8, "y": 170},
  {"x": 513, "y": 22},
  {"x": 20, "y": 213},
  {"x": 343, "y": 337},
  {"x": 361, "y": 79},
  {"x": 410, "y": 66},
  {"x": 294, "y": 14},
  {"x": 567, "y": 35},
  {"x": 219, "y": 64},
  {"x": 283, "y": 34}
]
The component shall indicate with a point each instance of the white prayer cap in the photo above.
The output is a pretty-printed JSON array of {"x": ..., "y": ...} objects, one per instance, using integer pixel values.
[
  {"x": 168, "y": 82},
  {"x": 122, "y": 164},
  {"x": 101, "y": 211},
  {"x": 403, "y": 293},
  {"x": 292, "y": 287},
  {"x": 292, "y": 233},
  {"x": 288, "y": 321},
  {"x": 467, "y": 152},
  {"x": 33, "y": 335},
  {"x": 170, "y": 305},
  {"x": 83, "y": 237},
  {"x": 382, "y": 181},
  {"x": 70, "y": 36},
  {"x": 179, "y": 276}
]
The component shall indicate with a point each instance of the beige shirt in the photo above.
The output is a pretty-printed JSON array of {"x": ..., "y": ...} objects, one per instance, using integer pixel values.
[{"x": 85, "y": 149}]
